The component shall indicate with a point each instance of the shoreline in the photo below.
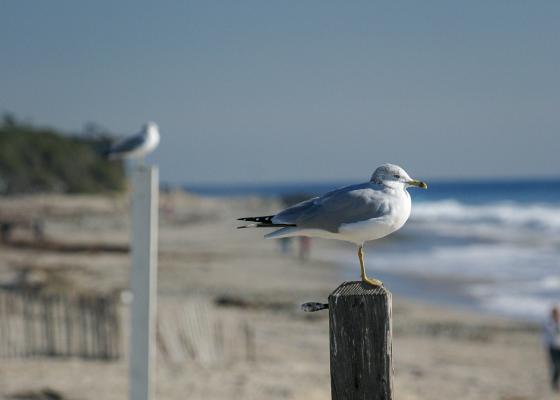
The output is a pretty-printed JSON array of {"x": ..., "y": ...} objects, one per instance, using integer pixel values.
[{"x": 464, "y": 292}]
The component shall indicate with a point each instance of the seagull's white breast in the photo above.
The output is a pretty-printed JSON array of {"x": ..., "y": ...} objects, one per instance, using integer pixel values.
[
  {"x": 376, "y": 228},
  {"x": 152, "y": 141}
]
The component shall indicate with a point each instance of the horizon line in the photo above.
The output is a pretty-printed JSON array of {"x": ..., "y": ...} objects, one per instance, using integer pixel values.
[{"x": 467, "y": 180}]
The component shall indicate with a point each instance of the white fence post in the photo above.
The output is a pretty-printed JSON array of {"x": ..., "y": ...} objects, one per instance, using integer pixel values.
[{"x": 143, "y": 282}]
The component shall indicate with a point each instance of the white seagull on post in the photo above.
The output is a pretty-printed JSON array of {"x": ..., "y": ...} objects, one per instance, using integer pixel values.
[
  {"x": 136, "y": 146},
  {"x": 357, "y": 213}
]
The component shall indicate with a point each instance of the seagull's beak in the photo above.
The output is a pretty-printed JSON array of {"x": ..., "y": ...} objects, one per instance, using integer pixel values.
[{"x": 417, "y": 183}]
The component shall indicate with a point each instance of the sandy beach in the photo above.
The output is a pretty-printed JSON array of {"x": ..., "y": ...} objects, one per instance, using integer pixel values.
[{"x": 439, "y": 352}]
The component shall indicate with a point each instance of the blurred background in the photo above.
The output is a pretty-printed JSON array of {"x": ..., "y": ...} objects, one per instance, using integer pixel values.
[{"x": 261, "y": 105}]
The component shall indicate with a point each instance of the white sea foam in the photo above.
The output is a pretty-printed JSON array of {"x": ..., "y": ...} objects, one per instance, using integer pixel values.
[
  {"x": 505, "y": 214},
  {"x": 513, "y": 305},
  {"x": 474, "y": 261},
  {"x": 527, "y": 298},
  {"x": 502, "y": 221},
  {"x": 502, "y": 278}
]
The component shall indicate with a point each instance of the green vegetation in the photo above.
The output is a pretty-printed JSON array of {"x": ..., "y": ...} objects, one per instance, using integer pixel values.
[{"x": 39, "y": 160}]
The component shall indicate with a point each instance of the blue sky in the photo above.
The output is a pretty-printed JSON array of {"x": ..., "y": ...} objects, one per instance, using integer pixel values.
[{"x": 255, "y": 91}]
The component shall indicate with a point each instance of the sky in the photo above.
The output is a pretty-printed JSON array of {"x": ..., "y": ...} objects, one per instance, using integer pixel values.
[{"x": 286, "y": 91}]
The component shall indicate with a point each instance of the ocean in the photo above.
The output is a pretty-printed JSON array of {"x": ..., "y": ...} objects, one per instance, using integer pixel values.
[{"x": 493, "y": 246}]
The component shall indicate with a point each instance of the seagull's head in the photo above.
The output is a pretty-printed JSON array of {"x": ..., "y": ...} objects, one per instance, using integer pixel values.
[
  {"x": 150, "y": 129},
  {"x": 394, "y": 176}
]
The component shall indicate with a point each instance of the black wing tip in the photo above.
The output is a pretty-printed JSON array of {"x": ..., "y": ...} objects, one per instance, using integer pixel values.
[
  {"x": 262, "y": 219},
  {"x": 267, "y": 226},
  {"x": 262, "y": 222},
  {"x": 247, "y": 218}
]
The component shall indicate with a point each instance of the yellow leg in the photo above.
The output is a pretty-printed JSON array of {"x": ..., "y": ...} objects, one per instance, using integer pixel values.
[{"x": 373, "y": 282}]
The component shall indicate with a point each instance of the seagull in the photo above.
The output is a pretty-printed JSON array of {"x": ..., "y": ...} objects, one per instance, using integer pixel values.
[
  {"x": 357, "y": 213},
  {"x": 136, "y": 146}
]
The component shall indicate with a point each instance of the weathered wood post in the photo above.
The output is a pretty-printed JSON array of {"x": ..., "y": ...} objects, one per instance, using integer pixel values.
[{"x": 360, "y": 342}]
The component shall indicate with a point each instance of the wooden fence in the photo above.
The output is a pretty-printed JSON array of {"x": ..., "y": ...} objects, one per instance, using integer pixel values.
[
  {"x": 196, "y": 332},
  {"x": 34, "y": 324},
  {"x": 95, "y": 327}
]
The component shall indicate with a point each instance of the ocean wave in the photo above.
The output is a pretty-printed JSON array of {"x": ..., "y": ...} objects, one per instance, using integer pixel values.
[
  {"x": 489, "y": 262},
  {"x": 530, "y": 299},
  {"x": 452, "y": 214},
  {"x": 506, "y": 279},
  {"x": 499, "y": 277},
  {"x": 525, "y": 307}
]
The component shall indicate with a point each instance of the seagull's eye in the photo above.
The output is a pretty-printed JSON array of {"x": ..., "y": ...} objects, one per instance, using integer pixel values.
[{"x": 397, "y": 176}]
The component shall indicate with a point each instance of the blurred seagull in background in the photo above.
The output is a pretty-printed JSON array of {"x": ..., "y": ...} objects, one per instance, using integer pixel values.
[
  {"x": 356, "y": 213},
  {"x": 136, "y": 146}
]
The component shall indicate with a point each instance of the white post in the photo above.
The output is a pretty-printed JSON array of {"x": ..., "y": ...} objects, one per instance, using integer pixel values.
[{"x": 143, "y": 281}]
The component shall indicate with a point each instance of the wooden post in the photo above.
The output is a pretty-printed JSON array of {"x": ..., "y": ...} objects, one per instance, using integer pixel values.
[
  {"x": 360, "y": 342},
  {"x": 143, "y": 281}
]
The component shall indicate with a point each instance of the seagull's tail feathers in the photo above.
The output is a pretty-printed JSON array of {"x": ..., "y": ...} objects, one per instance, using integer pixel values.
[{"x": 262, "y": 222}]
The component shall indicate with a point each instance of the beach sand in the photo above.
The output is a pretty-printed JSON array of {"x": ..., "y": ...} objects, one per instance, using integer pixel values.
[{"x": 439, "y": 352}]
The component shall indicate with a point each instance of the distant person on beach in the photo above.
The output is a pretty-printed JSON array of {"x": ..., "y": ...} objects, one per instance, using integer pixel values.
[
  {"x": 285, "y": 245},
  {"x": 304, "y": 248},
  {"x": 552, "y": 342}
]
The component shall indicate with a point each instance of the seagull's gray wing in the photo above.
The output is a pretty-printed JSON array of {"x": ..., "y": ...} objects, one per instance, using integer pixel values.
[
  {"x": 291, "y": 214},
  {"x": 346, "y": 205},
  {"x": 128, "y": 144}
]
